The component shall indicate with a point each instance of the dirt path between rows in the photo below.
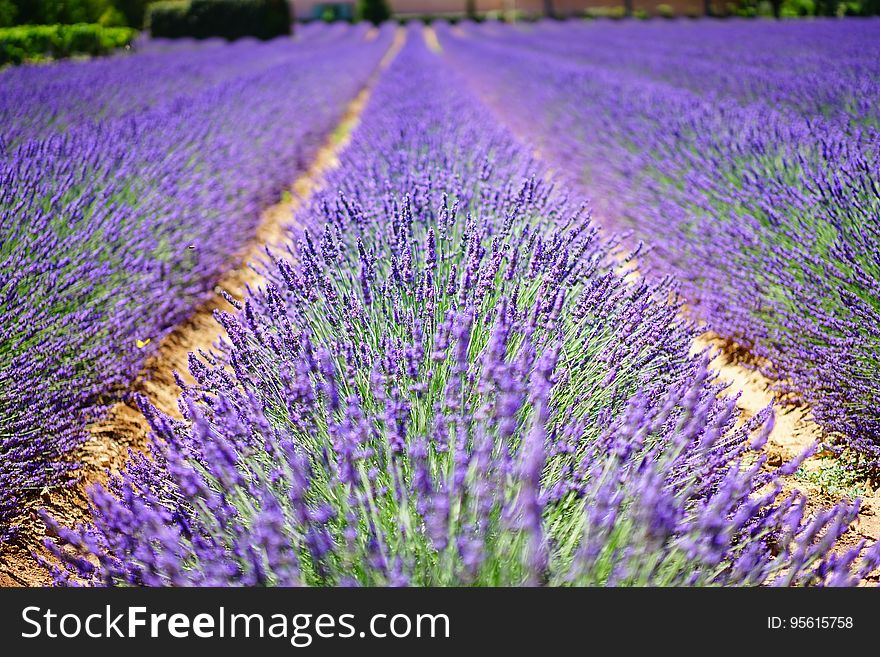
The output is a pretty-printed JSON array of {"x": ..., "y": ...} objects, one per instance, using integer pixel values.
[
  {"x": 124, "y": 428},
  {"x": 431, "y": 39},
  {"x": 794, "y": 431}
]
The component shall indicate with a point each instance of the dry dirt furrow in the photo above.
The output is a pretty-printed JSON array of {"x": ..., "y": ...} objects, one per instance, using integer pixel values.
[
  {"x": 124, "y": 428},
  {"x": 431, "y": 39},
  {"x": 794, "y": 431}
]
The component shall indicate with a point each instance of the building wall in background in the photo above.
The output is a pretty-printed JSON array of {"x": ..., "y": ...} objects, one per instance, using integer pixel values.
[{"x": 305, "y": 8}]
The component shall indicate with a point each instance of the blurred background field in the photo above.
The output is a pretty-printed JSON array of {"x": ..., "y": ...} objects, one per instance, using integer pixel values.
[{"x": 45, "y": 29}]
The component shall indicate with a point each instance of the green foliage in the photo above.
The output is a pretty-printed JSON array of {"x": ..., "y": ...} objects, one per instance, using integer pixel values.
[
  {"x": 375, "y": 11},
  {"x": 795, "y": 8},
  {"x": 518, "y": 16},
  {"x": 112, "y": 17},
  {"x": 826, "y": 7},
  {"x": 50, "y": 12},
  {"x": 134, "y": 11},
  {"x": 837, "y": 477},
  {"x": 615, "y": 12},
  {"x": 230, "y": 19},
  {"x": 35, "y": 42},
  {"x": 68, "y": 12},
  {"x": 8, "y": 12},
  {"x": 167, "y": 19},
  {"x": 803, "y": 8},
  {"x": 330, "y": 12},
  {"x": 665, "y": 11},
  {"x": 742, "y": 8}
]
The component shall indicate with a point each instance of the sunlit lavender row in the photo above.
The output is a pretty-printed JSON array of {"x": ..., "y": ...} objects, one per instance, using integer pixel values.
[
  {"x": 746, "y": 157},
  {"x": 447, "y": 381},
  {"x": 126, "y": 187}
]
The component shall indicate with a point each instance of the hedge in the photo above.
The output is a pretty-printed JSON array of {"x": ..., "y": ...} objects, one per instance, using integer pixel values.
[
  {"x": 35, "y": 42},
  {"x": 230, "y": 19},
  {"x": 375, "y": 11},
  {"x": 168, "y": 19}
]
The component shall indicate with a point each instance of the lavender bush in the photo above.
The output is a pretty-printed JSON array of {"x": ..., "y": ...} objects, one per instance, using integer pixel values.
[
  {"x": 451, "y": 386},
  {"x": 126, "y": 186},
  {"x": 747, "y": 156}
]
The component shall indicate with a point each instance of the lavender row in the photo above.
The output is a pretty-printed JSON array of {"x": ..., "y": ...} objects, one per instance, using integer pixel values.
[
  {"x": 818, "y": 68},
  {"x": 444, "y": 383},
  {"x": 767, "y": 216},
  {"x": 112, "y": 230},
  {"x": 72, "y": 94}
]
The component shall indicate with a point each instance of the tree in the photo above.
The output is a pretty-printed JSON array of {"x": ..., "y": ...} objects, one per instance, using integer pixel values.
[
  {"x": 628, "y": 7},
  {"x": 826, "y": 7},
  {"x": 8, "y": 12},
  {"x": 133, "y": 10},
  {"x": 375, "y": 11},
  {"x": 47, "y": 12},
  {"x": 549, "y": 11}
]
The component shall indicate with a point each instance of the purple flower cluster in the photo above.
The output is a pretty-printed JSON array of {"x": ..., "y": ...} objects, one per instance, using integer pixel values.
[
  {"x": 126, "y": 186},
  {"x": 447, "y": 382},
  {"x": 747, "y": 156}
]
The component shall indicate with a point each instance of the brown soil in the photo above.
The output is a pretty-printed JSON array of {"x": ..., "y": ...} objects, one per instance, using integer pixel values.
[
  {"x": 794, "y": 432},
  {"x": 431, "y": 39},
  {"x": 124, "y": 428}
]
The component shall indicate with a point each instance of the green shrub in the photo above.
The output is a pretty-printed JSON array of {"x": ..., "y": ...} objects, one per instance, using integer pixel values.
[
  {"x": 134, "y": 11},
  {"x": 68, "y": 12},
  {"x": 35, "y": 42},
  {"x": 168, "y": 19},
  {"x": 665, "y": 11},
  {"x": 234, "y": 19},
  {"x": 375, "y": 11},
  {"x": 8, "y": 12},
  {"x": 112, "y": 17},
  {"x": 616, "y": 12},
  {"x": 826, "y": 7},
  {"x": 795, "y": 8},
  {"x": 332, "y": 12},
  {"x": 524, "y": 16},
  {"x": 230, "y": 19},
  {"x": 51, "y": 12}
]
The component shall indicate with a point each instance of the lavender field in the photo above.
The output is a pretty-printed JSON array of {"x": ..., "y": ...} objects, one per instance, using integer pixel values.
[{"x": 471, "y": 353}]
